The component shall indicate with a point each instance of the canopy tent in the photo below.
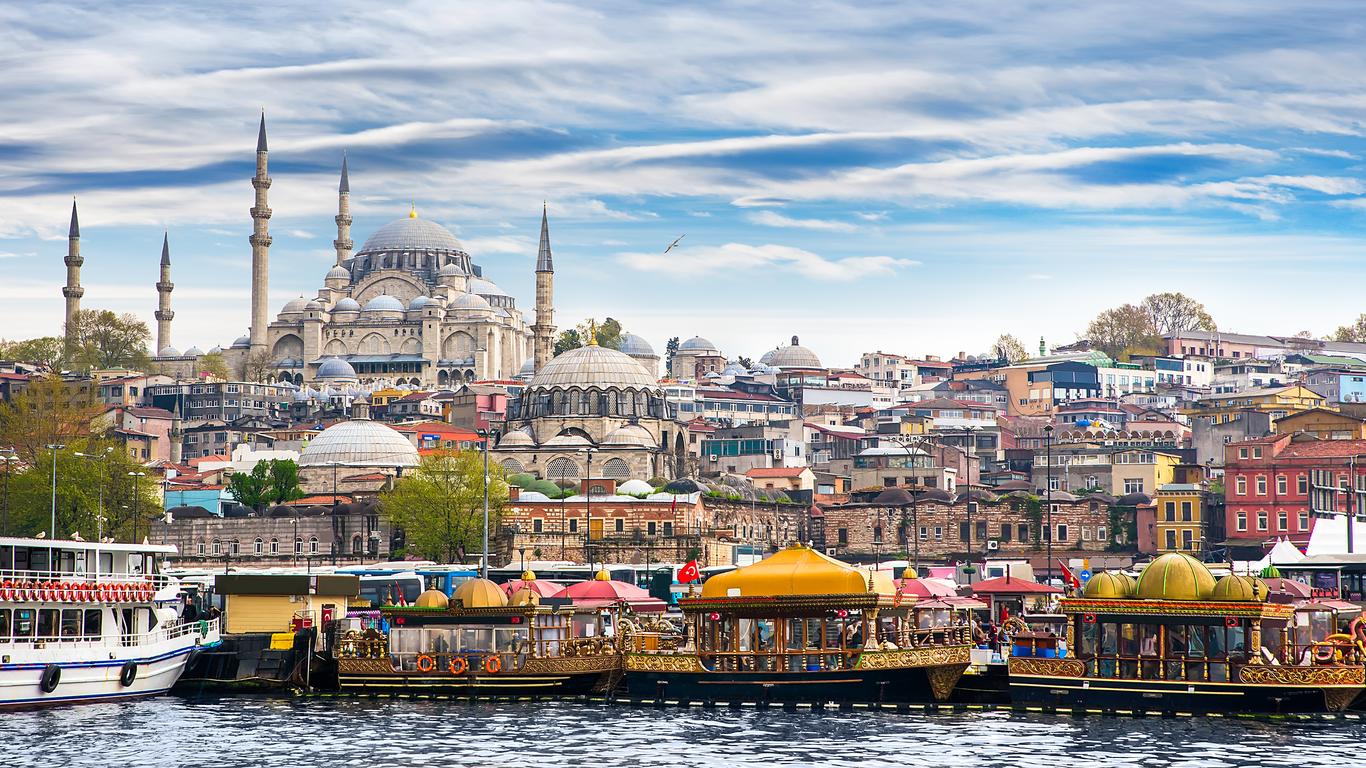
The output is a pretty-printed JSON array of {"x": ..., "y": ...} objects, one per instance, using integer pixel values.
[{"x": 602, "y": 592}]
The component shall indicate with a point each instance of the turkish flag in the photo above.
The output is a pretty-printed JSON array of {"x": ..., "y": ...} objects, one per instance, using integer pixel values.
[
  {"x": 689, "y": 573},
  {"x": 1068, "y": 577}
]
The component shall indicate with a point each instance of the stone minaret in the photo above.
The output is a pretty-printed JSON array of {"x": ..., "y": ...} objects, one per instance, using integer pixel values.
[
  {"x": 73, "y": 290},
  {"x": 260, "y": 244},
  {"x": 343, "y": 242},
  {"x": 164, "y": 315},
  {"x": 543, "y": 330}
]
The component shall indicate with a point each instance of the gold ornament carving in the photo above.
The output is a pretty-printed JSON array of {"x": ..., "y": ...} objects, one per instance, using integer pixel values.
[
  {"x": 1026, "y": 665},
  {"x": 1302, "y": 676},
  {"x": 663, "y": 662},
  {"x": 943, "y": 679}
]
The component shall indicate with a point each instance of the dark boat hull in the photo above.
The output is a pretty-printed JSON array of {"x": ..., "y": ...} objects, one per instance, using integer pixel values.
[
  {"x": 547, "y": 680},
  {"x": 990, "y": 685}
]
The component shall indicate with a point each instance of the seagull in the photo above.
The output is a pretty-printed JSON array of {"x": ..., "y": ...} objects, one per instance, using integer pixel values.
[
  {"x": 41, "y": 535},
  {"x": 676, "y": 242}
]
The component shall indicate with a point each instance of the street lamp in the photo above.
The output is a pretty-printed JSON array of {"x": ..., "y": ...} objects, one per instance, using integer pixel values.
[
  {"x": 905, "y": 445},
  {"x": 54, "y": 447},
  {"x": 10, "y": 460},
  {"x": 1048, "y": 495},
  {"x": 588, "y": 512},
  {"x": 967, "y": 495},
  {"x": 104, "y": 473},
  {"x": 488, "y": 435},
  {"x": 136, "y": 502}
]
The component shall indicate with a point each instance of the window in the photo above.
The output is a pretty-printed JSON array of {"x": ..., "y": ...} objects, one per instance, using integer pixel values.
[
  {"x": 1261, "y": 485},
  {"x": 1187, "y": 512},
  {"x": 1023, "y": 534},
  {"x": 1304, "y": 521},
  {"x": 1240, "y": 486},
  {"x": 1085, "y": 533},
  {"x": 1261, "y": 519},
  {"x": 1282, "y": 485},
  {"x": 573, "y": 525},
  {"x": 924, "y": 533},
  {"x": 668, "y": 528},
  {"x": 313, "y": 545},
  {"x": 1302, "y": 484},
  {"x": 1062, "y": 532},
  {"x": 1100, "y": 533},
  {"x": 1170, "y": 508},
  {"x": 1006, "y": 532},
  {"x": 537, "y": 525},
  {"x": 1171, "y": 539},
  {"x": 844, "y": 536},
  {"x": 963, "y": 531},
  {"x": 236, "y": 547},
  {"x": 1256, "y": 453},
  {"x": 200, "y": 548},
  {"x": 275, "y": 546},
  {"x": 217, "y": 547},
  {"x": 619, "y": 525},
  {"x": 256, "y": 546},
  {"x": 1241, "y": 520},
  {"x": 1282, "y": 520},
  {"x": 1133, "y": 485},
  {"x": 938, "y": 533},
  {"x": 1242, "y": 453},
  {"x": 1188, "y": 539},
  {"x": 298, "y": 546}
]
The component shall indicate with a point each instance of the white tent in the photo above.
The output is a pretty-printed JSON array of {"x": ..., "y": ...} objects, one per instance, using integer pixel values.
[
  {"x": 1284, "y": 553},
  {"x": 1330, "y": 537}
]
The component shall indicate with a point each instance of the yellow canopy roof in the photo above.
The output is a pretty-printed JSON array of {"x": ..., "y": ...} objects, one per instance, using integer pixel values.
[{"x": 797, "y": 570}]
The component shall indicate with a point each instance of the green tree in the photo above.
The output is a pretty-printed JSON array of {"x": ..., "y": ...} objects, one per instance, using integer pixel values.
[
  {"x": 1008, "y": 348},
  {"x": 1354, "y": 332},
  {"x": 745, "y": 361},
  {"x": 44, "y": 350},
  {"x": 670, "y": 349},
  {"x": 440, "y": 506},
  {"x": 284, "y": 481},
  {"x": 214, "y": 365},
  {"x": 252, "y": 489},
  {"x": 102, "y": 339},
  {"x": 1123, "y": 331},
  {"x": 49, "y": 412},
  {"x": 568, "y": 339},
  {"x": 1173, "y": 313},
  {"x": 96, "y": 494}
]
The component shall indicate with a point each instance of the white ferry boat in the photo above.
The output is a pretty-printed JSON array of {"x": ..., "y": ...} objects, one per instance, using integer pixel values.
[{"x": 86, "y": 621}]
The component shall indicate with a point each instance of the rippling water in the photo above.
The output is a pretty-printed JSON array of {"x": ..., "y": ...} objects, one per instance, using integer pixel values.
[{"x": 256, "y": 731}]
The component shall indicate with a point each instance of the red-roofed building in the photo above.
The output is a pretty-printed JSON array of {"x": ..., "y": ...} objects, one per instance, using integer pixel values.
[
  {"x": 783, "y": 478},
  {"x": 1275, "y": 485},
  {"x": 434, "y": 435}
]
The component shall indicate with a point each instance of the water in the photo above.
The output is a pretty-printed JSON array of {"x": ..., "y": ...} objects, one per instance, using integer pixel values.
[{"x": 282, "y": 732}]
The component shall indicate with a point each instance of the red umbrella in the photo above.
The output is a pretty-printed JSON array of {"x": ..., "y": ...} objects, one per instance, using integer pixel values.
[
  {"x": 603, "y": 591},
  {"x": 927, "y": 588},
  {"x": 540, "y": 587}
]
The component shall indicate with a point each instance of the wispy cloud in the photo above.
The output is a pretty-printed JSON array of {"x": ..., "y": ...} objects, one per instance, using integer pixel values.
[
  {"x": 775, "y": 219},
  {"x": 712, "y": 260}
]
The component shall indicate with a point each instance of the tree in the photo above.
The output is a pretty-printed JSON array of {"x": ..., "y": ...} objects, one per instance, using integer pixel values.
[
  {"x": 670, "y": 349},
  {"x": 1008, "y": 348},
  {"x": 440, "y": 506},
  {"x": 1304, "y": 342},
  {"x": 606, "y": 332},
  {"x": 1354, "y": 332},
  {"x": 49, "y": 411},
  {"x": 97, "y": 481},
  {"x": 1124, "y": 331},
  {"x": 745, "y": 361},
  {"x": 44, "y": 350},
  {"x": 102, "y": 340},
  {"x": 214, "y": 365},
  {"x": 257, "y": 365},
  {"x": 1173, "y": 313},
  {"x": 284, "y": 480},
  {"x": 568, "y": 339},
  {"x": 251, "y": 489}
]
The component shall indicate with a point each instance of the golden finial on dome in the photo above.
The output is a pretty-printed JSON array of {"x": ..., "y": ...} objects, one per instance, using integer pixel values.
[
  {"x": 528, "y": 575},
  {"x": 412, "y": 210},
  {"x": 603, "y": 575},
  {"x": 592, "y": 333}
]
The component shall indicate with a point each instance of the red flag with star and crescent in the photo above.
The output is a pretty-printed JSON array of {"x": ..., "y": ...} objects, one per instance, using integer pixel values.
[{"x": 689, "y": 573}]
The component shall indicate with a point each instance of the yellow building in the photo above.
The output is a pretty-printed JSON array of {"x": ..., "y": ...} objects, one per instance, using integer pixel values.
[
  {"x": 1179, "y": 514},
  {"x": 1324, "y": 424},
  {"x": 1140, "y": 470},
  {"x": 382, "y": 397},
  {"x": 261, "y": 603},
  {"x": 1278, "y": 403}
]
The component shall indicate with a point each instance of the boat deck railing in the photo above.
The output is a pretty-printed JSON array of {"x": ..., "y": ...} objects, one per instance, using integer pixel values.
[
  {"x": 1218, "y": 669},
  {"x": 811, "y": 659},
  {"x": 160, "y": 634},
  {"x": 25, "y": 575}
]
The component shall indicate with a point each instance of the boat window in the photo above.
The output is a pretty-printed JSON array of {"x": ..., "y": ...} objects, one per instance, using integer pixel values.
[
  {"x": 21, "y": 559},
  {"x": 23, "y": 623},
  {"x": 6, "y": 558},
  {"x": 38, "y": 559},
  {"x": 94, "y": 623},
  {"x": 4, "y": 624},
  {"x": 47, "y": 622},
  {"x": 71, "y": 623}
]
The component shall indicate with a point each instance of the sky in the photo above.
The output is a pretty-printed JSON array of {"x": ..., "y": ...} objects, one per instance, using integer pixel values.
[{"x": 914, "y": 178}]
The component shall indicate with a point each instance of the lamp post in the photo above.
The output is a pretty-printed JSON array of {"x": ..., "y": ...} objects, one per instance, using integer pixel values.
[
  {"x": 104, "y": 472},
  {"x": 1048, "y": 495},
  {"x": 10, "y": 460},
  {"x": 488, "y": 435},
  {"x": 588, "y": 513},
  {"x": 137, "y": 510},
  {"x": 967, "y": 495},
  {"x": 905, "y": 445},
  {"x": 54, "y": 447}
]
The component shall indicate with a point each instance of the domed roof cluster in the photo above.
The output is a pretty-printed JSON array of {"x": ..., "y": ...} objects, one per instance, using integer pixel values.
[
  {"x": 792, "y": 356},
  {"x": 479, "y": 593},
  {"x": 698, "y": 345},
  {"x": 593, "y": 366},
  {"x": 1175, "y": 576},
  {"x": 470, "y": 301},
  {"x": 635, "y": 346},
  {"x": 346, "y": 304},
  {"x": 411, "y": 234}
]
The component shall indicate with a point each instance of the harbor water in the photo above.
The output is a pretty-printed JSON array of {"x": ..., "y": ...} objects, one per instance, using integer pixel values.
[{"x": 258, "y": 731}]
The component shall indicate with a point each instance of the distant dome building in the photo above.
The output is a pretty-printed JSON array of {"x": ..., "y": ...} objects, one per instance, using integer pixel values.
[
  {"x": 640, "y": 350},
  {"x": 792, "y": 356},
  {"x": 592, "y": 398},
  {"x": 696, "y": 358},
  {"x": 359, "y": 443}
]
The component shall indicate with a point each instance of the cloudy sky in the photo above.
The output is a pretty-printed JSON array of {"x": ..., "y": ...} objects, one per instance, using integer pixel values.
[{"x": 907, "y": 177}]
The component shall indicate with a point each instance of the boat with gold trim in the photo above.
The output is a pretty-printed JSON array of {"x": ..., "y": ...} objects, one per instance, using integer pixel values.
[
  {"x": 1177, "y": 640},
  {"x": 798, "y": 627},
  {"x": 482, "y": 642}
]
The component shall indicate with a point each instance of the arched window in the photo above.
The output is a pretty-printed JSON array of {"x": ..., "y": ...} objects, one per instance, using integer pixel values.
[
  {"x": 201, "y": 549},
  {"x": 274, "y": 546},
  {"x": 561, "y": 468},
  {"x": 356, "y": 545},
  {"x": 256, "y": 546},
  {"x": 512, "y": 466},
  {"x": 298, "y": 545},
  {"x": 217, "y": 547},
  {"x": 616, "y": 469},
  {"x": 313, "y": 545},
  {"x": 236, "y": 547}
]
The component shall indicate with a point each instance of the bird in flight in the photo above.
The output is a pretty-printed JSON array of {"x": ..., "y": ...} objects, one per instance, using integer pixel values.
[{"x": 675, "y": 243}]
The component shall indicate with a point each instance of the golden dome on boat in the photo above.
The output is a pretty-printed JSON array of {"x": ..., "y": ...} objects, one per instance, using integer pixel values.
[
  {"x": 524, "y": 596},
  {"x": 432, "y": 598},
  {"x": 480, "y": 593},
  {"x": 1240, "y": 589},
  {"x": 797, "y": 570},
  {"x": 603, "y": 575},
  {"x": 528, "y": 575},
  {"x": 909, "y": 573},
  {"x": 1109, "y": 585},
  {"x": 1175, "y": 576}
]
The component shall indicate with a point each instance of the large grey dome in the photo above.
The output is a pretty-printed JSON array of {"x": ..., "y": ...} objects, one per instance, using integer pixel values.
[
  {"x": 346, "y": 304},
  {"x": 383, "y": 303},
  {"x": 593, "y": 366},
  {"x": 794, "y": 356},
  {"x": 336, "y": 368},
  {"x": 634, "y": 345},
  {"x": 359, "y": 443},
  {"x": 411, "y": 234},
  {"x": 697, "y": 344}
]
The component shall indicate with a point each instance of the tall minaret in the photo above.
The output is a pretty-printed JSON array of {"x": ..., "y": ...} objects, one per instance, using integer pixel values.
[
  {"x": 164, "y": 315},
  {"x": 260, "y": 244},
  {"x": 73, "y": 290},
  {"x": 543, "y": 331},
  {"x": 343, "y": 242}
]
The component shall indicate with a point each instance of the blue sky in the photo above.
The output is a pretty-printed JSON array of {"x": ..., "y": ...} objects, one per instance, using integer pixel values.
[{"x": 914, "y": 178}]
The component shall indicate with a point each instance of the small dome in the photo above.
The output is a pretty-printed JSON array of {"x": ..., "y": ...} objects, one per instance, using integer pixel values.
[
  {"x": 242, "y": 341},
  {"x": 313, "y": 306},
  {"x": 170, "y": 351},
  {"x": 485, "y": 288},
  {"x": 630, "y": 435},
  {"x": 528, "y": 368},
  {"x": 346, "y": 304},
  {"x": 532, "y": 496},
  {"x": 635, "y": 487},
  {"x": 699, "y": 345},
  {"x": 734, "y": 369},
  {"x": 1108, "y": 585},
  {"x": 418, "y": 303},
  {"x": 568, "y": 440},
  {"x": 294, "y": 305},
  {"x": 794, "y": 356},
  {"x": 1175, "y": 576},
  {"x": 469, "y": 301},
  {"x": 517, "y": 438},
  {"x": 528, "y": 575},
  {"x": 432, "y": 598},
  {"x": 1270, "y": 572},
  {"x": 451, "y": 270},
  {"x": 338, "y": 273},
  {"x": 909, "y": 573},
  {"x": 524, "y": 596},
  {"x": 335, "y": 368},
  {"x": 383, "y": 303},
  {"x": 635, "y": 346},
  {"x": 1240, "y": 589},
  {"x": 215, "y": 350},
  {"x": 766, "y": 359},
  {"x": 1133, "y": 500},
  {"x": 480, "y": 593},
  {"x": 192, "y": 352}
]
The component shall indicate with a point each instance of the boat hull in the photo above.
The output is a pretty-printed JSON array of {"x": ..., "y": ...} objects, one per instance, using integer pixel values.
[
  {"x": 89, "y": 680},
  {"x": 542, "y": 678}
]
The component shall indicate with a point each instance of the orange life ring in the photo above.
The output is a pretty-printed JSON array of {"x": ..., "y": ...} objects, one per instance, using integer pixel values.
[
  {"x": 457, "y": 665},
  {"x": 425, "y": 663},
  {"x": 493, "y": 665}
]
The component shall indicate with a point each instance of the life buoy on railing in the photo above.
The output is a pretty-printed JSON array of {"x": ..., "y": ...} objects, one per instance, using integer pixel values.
[
  {"x": 457, "y": 665},
  {"x": 1232, "y": 622},
  {"x": 425, "y": 663},
  {"x": 128, "y": 674},
  {"x": 493, "y": 665}
]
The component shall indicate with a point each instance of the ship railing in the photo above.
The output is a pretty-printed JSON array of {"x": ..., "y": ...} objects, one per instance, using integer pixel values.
[
  {"x": 158, "y": 579},
  {"x": 1217, "y": 669},
  {"x": 161, "y": 634}
]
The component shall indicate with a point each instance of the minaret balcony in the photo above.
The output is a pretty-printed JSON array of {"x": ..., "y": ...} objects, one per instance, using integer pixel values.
[
  {"x": 165, "y": 286},
  {"x": 73, "y": 291},
  {"x": 263, "y": 240},
  {"x": 164, "y": 315},
  {"x": 260, "y": 182},
  {"x": 260, "y": 212},
  {"x": 74, "y": 261}
]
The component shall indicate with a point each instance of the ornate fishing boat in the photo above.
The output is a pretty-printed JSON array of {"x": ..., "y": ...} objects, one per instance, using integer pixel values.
[
  {"x": 86, "y": 621},
  {"x": 798, "y": 627},
  {"x": 481, "y": 643},
  {"x": 1177, "y": 640}
]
